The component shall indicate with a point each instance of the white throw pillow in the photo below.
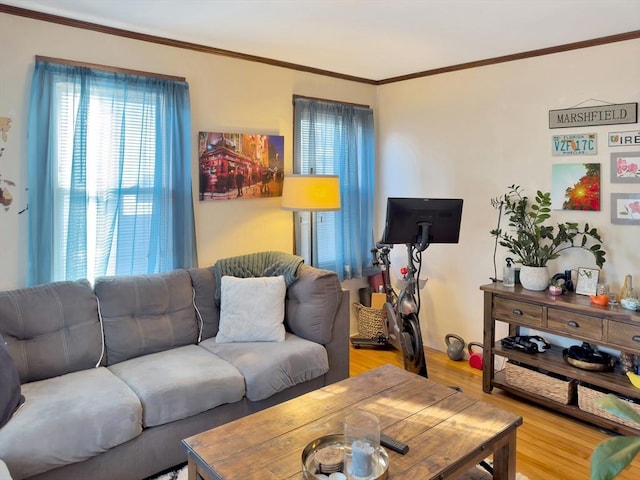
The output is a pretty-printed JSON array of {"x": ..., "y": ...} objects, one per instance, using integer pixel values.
[{"x": 251, "y": 309}]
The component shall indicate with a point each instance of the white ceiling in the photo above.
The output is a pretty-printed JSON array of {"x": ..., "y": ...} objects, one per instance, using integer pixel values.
[{"x": 372, "y": 39}]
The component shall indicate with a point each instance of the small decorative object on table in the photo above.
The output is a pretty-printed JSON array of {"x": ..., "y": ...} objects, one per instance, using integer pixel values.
[
  {"x": 627, "y": 287},
  {"x": 587, "y": 282},
  {"x": 556, "y": 286},
  {"x": 313, "y": 468},
  {"x": 628, "y": 296},
  {"x": 362, "y": 443},
  {"x": 602, "y": 295},
  {"x": 630, "y": 303},
  {"x": 555, "y": 290},
  {"x": 509, "y": 273}
]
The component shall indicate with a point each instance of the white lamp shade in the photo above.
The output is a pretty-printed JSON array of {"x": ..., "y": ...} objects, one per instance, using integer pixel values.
[{"x": 311, "y": 193}]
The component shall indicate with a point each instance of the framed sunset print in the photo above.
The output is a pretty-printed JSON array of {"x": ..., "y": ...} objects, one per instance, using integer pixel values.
[{"x": 575, "y": 186}]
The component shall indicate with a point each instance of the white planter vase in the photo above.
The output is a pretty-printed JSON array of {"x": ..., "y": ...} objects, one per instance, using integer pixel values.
[{"x": 534, "y": 278}]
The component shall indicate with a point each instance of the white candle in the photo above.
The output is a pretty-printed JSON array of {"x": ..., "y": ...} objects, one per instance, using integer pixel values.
[{"x": 362, "y": 458}]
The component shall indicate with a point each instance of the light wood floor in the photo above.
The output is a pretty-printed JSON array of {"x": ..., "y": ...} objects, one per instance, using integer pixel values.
[{"x": 550, "y": 446}]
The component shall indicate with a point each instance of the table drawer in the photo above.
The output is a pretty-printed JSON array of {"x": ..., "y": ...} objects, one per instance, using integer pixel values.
[
  {"x": 584, "y": 326},
  {"x": 624, "y": 335},
  {"x": 522, "y": 313}
]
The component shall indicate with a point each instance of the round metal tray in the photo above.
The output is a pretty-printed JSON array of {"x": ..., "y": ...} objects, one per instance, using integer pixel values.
[
  {"x": 337, "y": 440},
  {"x": 594, "y": 367}
]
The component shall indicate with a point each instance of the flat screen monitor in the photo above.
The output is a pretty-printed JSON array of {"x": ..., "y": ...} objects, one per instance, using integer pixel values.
[{"x": 407, "y": 216}]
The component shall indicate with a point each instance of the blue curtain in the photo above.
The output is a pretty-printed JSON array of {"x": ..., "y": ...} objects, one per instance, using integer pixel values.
[
  {"x": 334, "y": 138},
  {"x": 109, "y": 174}
]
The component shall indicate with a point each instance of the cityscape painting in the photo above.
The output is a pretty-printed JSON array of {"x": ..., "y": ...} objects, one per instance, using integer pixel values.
[{"x": 240, "y": 165}]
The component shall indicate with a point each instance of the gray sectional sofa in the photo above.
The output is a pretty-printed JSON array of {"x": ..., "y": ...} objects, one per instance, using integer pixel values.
[{"x": 117, "y": 374}]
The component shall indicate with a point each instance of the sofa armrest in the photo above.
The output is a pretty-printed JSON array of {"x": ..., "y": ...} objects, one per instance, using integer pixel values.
[
  {"x": 338, "y": 348},
  {"x": 317, "y": 310}
]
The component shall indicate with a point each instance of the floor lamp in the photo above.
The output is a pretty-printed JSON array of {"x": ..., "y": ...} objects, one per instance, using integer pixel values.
[{"x": 311, "y": 193}]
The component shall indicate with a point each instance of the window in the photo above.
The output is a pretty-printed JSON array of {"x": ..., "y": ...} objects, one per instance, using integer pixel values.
[
  {"x": 333, "y": 138},
  {"x": 110, "y": 176}
]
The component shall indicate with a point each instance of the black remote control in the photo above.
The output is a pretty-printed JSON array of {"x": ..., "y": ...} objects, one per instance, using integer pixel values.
[{"x": 393, "y": 444}]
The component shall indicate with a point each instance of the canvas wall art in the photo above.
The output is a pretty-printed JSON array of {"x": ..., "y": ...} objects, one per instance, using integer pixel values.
[
  {"x": 240, "y": 165},
  {"x": 575, "y": 186}
]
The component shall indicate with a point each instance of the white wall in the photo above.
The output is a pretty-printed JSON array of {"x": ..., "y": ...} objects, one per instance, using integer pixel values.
[
  {"x": 227, "y": 95},
  {"x": 472, "y": 133}
]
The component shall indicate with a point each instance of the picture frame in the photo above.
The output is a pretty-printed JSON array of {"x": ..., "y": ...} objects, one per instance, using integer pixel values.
[
  {"x": 625, "y": 208},
  {"x": 625, "y": 167},
  {"x": 587, "y": 282},
  {"x": 575, "y": 186},
  {"x": 240, "y": 165}
]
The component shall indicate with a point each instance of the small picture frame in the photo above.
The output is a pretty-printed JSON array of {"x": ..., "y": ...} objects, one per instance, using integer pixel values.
[
  {"x": 625, "y": 167},
  {"x": 625, "y": 208},
  {"x": 587, "y": 283}
]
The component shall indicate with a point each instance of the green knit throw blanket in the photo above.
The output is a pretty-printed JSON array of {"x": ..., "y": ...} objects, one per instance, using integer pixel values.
[{"x": 261, "y": 264}]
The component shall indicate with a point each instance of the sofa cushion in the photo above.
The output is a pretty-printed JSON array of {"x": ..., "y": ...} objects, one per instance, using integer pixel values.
[
  {"x": 10, "y": 393},
  {"x": 252, "y": 309},
  {"x": 51, "y": 329},
  {"x": 310, "y": 301},
  {"x": 204, "y": 285},
  {"x": 146, "y": 313},
  {"x": 180, "y": 382},
  {"x": 69, "y": 419},
  {"x": 270, "y": 367}
]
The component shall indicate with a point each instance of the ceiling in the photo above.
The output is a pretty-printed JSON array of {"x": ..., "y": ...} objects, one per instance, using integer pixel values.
[{"x": 369, "y": 39}]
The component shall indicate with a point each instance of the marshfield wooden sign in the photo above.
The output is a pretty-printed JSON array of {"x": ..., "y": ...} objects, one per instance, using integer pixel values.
[{"x": 590, "y": 116}]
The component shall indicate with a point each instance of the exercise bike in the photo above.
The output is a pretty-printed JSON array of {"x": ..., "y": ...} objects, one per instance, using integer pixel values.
[
  {"x": 401, "y": 326},
  {"x": 415, "y": 223},
  {"x": 401, "y": 315}
]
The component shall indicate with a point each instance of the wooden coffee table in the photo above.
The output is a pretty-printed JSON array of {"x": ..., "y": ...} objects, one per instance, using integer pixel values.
[{"x": 447, "y": 432}]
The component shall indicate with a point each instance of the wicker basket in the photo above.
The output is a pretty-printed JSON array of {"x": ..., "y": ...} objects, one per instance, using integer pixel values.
[
  {"x": 369, "y": 321},
  {"x": 554, "y": 387},
  {"x": 587, "y": 395}
]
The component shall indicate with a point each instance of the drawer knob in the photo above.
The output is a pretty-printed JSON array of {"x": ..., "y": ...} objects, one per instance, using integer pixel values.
[
  {"x": 573, "y": 324},
  {"x": 636, "y": 338},
  {"x": 517, "y": 312}
]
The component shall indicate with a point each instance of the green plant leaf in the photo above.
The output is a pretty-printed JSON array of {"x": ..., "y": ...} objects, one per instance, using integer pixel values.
[
  {"x": 612, "y": 456},
  {"x": 618, "y": 407}
]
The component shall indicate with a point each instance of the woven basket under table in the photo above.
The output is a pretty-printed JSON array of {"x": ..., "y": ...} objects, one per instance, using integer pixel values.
[
  {"x": 560, "y": 389},
  {"x": 369, "y": 321},
  {"x": 586, "y": 401}
]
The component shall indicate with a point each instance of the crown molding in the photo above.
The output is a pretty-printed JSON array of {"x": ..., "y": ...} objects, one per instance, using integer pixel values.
[{"x": 46, "y": 17}]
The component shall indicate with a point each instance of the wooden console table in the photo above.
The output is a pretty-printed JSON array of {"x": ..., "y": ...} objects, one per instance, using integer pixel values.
[{"x": 570, "y": 316}]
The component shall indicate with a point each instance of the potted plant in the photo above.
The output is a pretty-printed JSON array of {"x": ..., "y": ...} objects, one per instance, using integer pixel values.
[
  {"x": 535, "y": 242},
  {"x": 613, "y": 455}
]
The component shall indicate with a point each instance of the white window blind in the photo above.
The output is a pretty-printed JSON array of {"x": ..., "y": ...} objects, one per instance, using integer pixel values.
[
  {"x": 321, "y": 162},
  {"x": 334, "y": 138},
  {"x": 120, "y": 153}
]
